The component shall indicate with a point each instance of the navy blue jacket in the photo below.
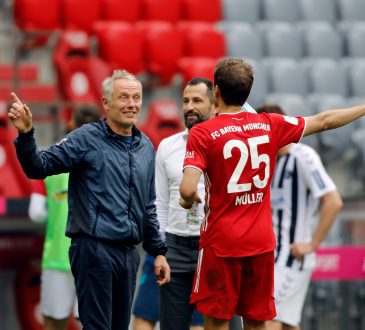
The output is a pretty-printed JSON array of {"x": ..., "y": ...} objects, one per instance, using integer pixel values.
[{"x": 111, "y": 187}]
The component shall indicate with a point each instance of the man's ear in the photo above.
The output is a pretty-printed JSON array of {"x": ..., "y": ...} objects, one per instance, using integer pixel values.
[
  {"x": 105, "y": 104},
  {"x": 217, "y": 92}
]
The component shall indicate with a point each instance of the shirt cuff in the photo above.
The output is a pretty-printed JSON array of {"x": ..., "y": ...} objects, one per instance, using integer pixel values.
[{"x": 26, "y": 136}]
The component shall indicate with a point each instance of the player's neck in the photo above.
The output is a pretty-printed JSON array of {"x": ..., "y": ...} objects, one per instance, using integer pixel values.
[{"x": 230, "y": 109}]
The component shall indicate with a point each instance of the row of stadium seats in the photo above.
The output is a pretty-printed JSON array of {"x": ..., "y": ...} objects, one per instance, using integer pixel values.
[
  {"x": 162, "y": 50},
  {"x": 82, "y": 14},
  {"x": 309, "y": 76},
  {"x": 294, "y": 10},
  {"x": 282, "y": 39}
]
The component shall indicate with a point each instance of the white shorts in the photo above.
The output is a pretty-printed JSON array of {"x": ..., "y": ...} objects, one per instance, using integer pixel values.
[
  {"x": 290, "y": 290},
  {"x": 58, "y": 294}
]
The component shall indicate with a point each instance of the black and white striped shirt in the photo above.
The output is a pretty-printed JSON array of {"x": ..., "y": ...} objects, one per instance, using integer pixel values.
[{"x": 299, "y": 181}]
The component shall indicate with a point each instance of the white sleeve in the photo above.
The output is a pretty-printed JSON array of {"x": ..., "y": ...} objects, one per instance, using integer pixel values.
[
  {"x": 162, "y": 189},
  {"x": 316, "y": 176},
  {"x": 247, "y": 108},
  {"x": 37, "y": 208}
]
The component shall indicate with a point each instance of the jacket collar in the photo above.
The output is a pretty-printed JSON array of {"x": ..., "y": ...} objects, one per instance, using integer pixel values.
[{"x": 136, "y": 133}]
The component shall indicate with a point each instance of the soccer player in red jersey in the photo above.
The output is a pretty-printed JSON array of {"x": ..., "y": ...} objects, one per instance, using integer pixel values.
[{"x": 236, "y": 152}]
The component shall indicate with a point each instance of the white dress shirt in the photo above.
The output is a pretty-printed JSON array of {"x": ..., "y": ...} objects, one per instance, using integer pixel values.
[{"x": 172, "y": 217}]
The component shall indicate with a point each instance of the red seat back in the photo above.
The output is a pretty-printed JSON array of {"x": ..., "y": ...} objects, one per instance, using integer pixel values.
[
  {"x": 162, "y": 49},
  {"x": 202, "y": 10},
  {"x": 33, "y": 15},
  {"x": 162, "y": 10},
  {"x": 120, "y": 44},
  {"x": 163, "y": 120},
  {"x": 80, "y": 14},
  {"x": 202, "y": 39},
  {"x": 191, "y": 67},
  {"x": 121, "y": 10},
  {"x": 78, "y": 71}
]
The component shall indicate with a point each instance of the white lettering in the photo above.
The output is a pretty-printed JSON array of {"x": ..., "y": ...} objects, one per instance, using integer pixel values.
[
  {"x": 229, "y": 129},
  {"x": 189, "y": 154},
  {"x": 215, "y": 135},
  {"x": 328, "y": 262},
  {"x": 249, "y": 199},
  {"x": 253, "y": 126}
]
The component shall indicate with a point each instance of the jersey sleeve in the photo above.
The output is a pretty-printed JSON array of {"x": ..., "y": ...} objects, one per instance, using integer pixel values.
[
  {"x": 288, "y": 129},
  {"x": 39, "y": 187},
  {"x": 37, "y": 210},
  {"x": 315, "y": 175},
  {"x": 195, "y": 155}
]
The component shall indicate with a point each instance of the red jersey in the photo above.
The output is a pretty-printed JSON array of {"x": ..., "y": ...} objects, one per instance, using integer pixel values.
[
  {"x": 237, "y": 154},
  {"x": 39, "y": 187}
]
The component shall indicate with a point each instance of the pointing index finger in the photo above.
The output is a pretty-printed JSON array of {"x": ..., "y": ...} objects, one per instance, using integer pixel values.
[{"x": 15, "y": 98}]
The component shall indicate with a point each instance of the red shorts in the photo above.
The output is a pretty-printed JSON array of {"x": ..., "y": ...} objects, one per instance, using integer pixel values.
[{"x": 227, "y": 286}]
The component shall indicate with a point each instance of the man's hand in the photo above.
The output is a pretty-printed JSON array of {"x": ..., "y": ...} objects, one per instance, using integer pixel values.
[
  {"x": 300, "y": 249},
  {"x": 162, "y": 270},
  {"x": 188, "y": 204},
  {"x": 20, "y": 115}
]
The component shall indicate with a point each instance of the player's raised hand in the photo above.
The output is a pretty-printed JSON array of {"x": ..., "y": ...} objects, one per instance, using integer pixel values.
[{"x": 20, "y": 115}]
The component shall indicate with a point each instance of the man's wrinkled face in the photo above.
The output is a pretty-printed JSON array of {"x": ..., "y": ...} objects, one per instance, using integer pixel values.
[
  {"x": 197, "y": 105},
  {"x": 126, "y": 101}
]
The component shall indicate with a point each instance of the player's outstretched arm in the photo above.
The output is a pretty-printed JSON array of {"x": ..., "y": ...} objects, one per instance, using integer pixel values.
[
  {"x": 19, "y": 114},
  {"x": 331, "y": 119}
]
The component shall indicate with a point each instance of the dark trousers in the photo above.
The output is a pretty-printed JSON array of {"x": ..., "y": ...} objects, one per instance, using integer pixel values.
[
  {"x": 175, "y": 308},
  {"x": 105, "y": 279}
]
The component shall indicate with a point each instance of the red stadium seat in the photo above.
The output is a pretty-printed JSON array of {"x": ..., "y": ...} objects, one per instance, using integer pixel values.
[
  {"x": 162, "y": 10},
  {"x": 31, "y": 92},
  {"x": 121, "y": 10},
  {"x": 80, "y": 14},
  {"x": 33, "y": 15},
  {"x": 38, "y": 25},
  {"x": 121, "y": 45},
  {"x": 27, "y": 294},
  {"x": 191, "y": 67},
  {"x": 202, "y": 39},
  {"x": 79, "y": 72},
  {"x": 202, "y": 10},
  {"x": 164, "y": 119},
  {"x": 13, "y": 183},
  {"x": 162, "y": 49}
]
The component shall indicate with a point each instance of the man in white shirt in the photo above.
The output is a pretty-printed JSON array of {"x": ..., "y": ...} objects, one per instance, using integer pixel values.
[{"x": 182, "y": 227}]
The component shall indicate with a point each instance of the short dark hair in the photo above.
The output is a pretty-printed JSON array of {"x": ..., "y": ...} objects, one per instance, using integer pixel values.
[
  {"x": 85, "y": 113},
  {"x": 234, "y": 78},
  {"x": 200, "y": 80},
  {"x": 270, "y": 108}
]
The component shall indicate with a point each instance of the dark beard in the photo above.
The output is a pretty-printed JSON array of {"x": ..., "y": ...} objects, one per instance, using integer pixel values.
[{"x": 190, "y": 123}]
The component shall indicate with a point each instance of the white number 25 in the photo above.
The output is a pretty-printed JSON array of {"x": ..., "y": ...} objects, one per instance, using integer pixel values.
[{"x": 256, "y": 159}]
